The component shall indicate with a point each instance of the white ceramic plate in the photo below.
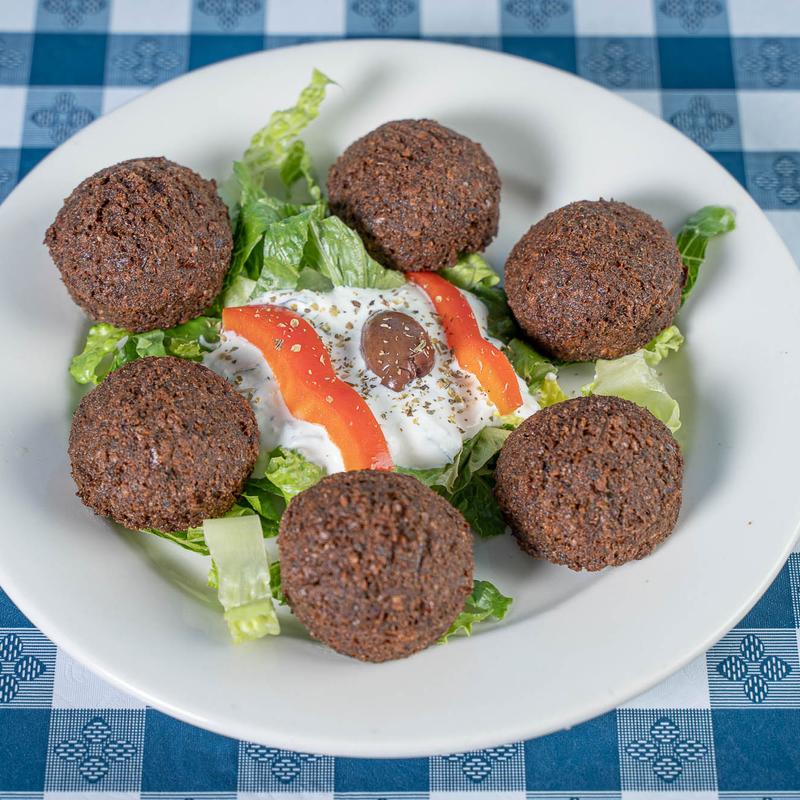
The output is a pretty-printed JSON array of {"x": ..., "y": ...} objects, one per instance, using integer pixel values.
[{"x": 137, "y": 611}]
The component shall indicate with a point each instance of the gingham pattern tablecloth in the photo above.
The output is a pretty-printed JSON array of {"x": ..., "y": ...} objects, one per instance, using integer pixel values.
[{"x": 727, "y": 74}]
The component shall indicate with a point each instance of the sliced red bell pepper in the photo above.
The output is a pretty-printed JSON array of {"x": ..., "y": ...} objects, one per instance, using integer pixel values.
[
  {"x": 302, "y": 367},
  {"x": 474, "y": 353}
]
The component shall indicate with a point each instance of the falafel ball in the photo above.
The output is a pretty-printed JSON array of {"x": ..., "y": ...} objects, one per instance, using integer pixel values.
[
  {"x": 594, "y": 279},
  {"x": 375, "y": 564},
  {"x": 591, "y": 482},
  {"x": 419, "y": 194},
  {"x": 142, "y": 244},
  {"x": 162, "y": 443}
]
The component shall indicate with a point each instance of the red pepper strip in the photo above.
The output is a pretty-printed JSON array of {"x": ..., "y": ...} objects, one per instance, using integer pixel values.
[
  {"x": 302, "y": 367},
  {"x": 474, "y": 354}
]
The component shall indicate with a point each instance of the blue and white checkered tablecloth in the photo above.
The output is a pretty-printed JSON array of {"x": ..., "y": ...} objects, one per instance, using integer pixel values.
[{"x": 727, "y": 74}]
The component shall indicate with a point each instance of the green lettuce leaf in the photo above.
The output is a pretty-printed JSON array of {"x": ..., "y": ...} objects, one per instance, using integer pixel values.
[
  {"x": 634, "y": 378},
  {"x": 107, "y": 348},
  {"x": 668, "y": 341},
  {"x": 485, "y": 602},
  {"x": 468, "y": 481},
  {"x": 339, "y": 254},
  {"x": 274, "y": 144},
  {"x": 291, "y": 473},
  {"x": 539, "y": 372},
  {"x": 242, "y": 576},
  {"x": 693, "y": 239},
  {"x": 470, "y": 272}
]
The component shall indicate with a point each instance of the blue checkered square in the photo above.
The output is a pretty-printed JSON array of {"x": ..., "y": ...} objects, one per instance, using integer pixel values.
[
  {"x": 767, "y": 63},
  {"x": 666, "y": 749},
  {"x": 691, "y": 17},
  {"x": 133, "y": 60},
  {"x": 382, "y": 776},
  {"x": 382, "y": 17},
  {"x": 756, "y": 751},
  {"x": 483, "y": 42},
  {"x": 733, "y": 162},
  {"x": 755, "y": 668},
  {"x": 95, "y": 750},
  {"x": 696, "y": 63},
  {"x": 774, "y": 609},
  {"x": 204, "y": 50},
  {"x": 29, "y": 157},
  {"x": 557, "y": 51},
  {"x": 793, "y": 568},
  {"x": 495, "y": 769},
  {"x": 584, "y": 758},
  {"x": 53, "y": 115},
  {"x": 86, "y": 16},
  {"x": 710, "y": 119},
  {"x": 16, "y": 50},
  {"x": 9, "y": 168},
  {"x": 774, "y": 179},
  {"x": 619, "y": 63},
  {"x": 10, "y": 615},
  {"x": 537, "y": 18},
  {"x": 184, "y": 759},
  {"x": 228, "y": 16},
  {"x": 23, "y": 749},
  {"x": 63, "y": 60},
  {"x": 286, "y": 40},
  {"x": 27, "y": 666},
  {"x": 268, "y": 769}
]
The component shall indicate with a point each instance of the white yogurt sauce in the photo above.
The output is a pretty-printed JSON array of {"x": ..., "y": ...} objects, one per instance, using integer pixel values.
[{"x": 425, "y": 424}]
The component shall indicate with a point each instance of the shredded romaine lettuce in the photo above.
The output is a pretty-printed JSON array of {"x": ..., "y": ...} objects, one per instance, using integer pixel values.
[
  {"x": 693, "y": 239},
  {"x": 468, "y": 481},
  {"x": 668, "y": 341},
  {"x": 471, "y": 272},
  {"x": 634, "y": 378},
  {"x": 540, "y": 373},
  {"x": 486, "y": 601},
  {"x": 276, "y": 142},
  {"x": 242, "y": 576},
  {"x": 107, "y": 348}
]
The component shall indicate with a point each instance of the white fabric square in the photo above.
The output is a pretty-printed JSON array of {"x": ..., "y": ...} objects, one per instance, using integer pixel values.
[
  {"x": 649, "y": 100},
  {"x": 151, "y": 16},
  {"x": 12, "y": 101},
  {"x": 787, "y": 223},
  {"x": 769, "y": 120},
  {"x": 76, "y": 687},
  {"x": 614, "y": 18},
  {"x": 687, "y": 688},
  {"x": 459, "y": 18},
  {"x": 310, "y": 18},
  {"x": 118, "y": 96},
  {"x": 83, "y": 795},
  {"x": 764, "y": 17},
  {"x": 17, "y": 16}
]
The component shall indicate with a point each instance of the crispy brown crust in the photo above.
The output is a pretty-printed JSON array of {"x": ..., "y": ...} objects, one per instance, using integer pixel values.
[
  {"x": 375, "y": 564},
  {"x": 162, "y": 443},
  {"x": 142, "y": 244},
  {"x": 419, "y": 194},
  {"x": 594, "y": 280},
  {"x": 590, "y": 482}
]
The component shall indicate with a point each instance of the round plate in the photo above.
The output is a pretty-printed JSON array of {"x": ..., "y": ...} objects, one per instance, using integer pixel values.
[{"x": 137, "y": 610}]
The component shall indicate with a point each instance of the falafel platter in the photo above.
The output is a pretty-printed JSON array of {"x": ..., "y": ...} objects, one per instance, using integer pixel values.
[
  {"x": 364, "y": 335},
  {"x": 325, "y": 378}
]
